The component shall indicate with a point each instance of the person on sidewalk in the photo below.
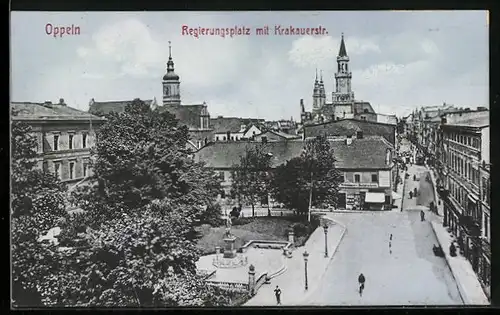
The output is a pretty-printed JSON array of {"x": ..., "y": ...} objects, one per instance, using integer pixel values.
[
  {"x": 422, "y": 215},
  {"x": 277, "y": 293},
  {"x": 361, "y": 281},
  {"x": 415, "y": 192},
  {"x": 411, "y": 194}
]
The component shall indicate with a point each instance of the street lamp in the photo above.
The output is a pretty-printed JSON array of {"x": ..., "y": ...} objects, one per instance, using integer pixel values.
[
  {"x": 325, "y": 229},
  {"x": 306, "y": 255}
]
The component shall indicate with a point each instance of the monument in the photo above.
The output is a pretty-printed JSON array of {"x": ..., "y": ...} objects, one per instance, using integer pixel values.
[{"x": 229, "y": 240}]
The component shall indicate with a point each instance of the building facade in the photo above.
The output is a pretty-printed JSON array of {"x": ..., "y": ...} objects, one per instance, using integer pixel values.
[
  {"x": 64, "y": 135},
  {"x": 365, "y": 162},
  {"x": 463, "y": 180}
]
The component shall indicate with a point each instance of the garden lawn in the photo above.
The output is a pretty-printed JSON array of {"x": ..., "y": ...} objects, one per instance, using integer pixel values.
[{"x": 256, "y": 229}]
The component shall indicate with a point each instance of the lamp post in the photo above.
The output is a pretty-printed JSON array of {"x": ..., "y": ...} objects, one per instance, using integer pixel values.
[
  {"x": 325, "y": 229},
  {"x": 306, "y": 255}
]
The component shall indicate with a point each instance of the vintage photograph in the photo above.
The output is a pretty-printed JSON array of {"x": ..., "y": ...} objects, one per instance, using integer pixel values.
[{"x": 235, "y": 159}]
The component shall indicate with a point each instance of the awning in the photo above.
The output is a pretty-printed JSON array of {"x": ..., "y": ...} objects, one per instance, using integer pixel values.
[
  {"x": 375, "y": 197},
  {"x": 395, "y": 195}
]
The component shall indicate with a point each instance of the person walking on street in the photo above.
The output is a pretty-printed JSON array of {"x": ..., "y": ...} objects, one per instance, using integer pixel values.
[
  {"x": 415, "y": 192},
  {"x": 361, "y": 281},
  {"x": 277, "y": 293},
  {"x": 422, "y": 215},
  {"x": 411, "y": 194}
]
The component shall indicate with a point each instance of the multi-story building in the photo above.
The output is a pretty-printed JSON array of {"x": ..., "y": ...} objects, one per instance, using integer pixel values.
[
  {"x": 465, "y": 164},
  {"x": 366, "y": 163},
  {"x": 235, "y": 128},
  {"x": 484, "y": 271},
  {"x": 64, "y": 137}
]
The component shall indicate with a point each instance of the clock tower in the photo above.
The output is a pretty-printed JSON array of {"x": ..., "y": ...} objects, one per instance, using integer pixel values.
[
  {"x": 343, "y": 93},
  {"x": 171, "y": 83}
]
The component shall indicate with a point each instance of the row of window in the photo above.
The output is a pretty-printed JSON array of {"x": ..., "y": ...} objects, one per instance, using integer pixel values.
[
  {"x": 461, "y": 195},
  {"x": 463, "y": 167},
  {"x": 71, "y": 174},
  {"x": 486, "y": 225},
  {"x": 71, "y": 138},
  {"x": 470, "y": 141},
  {"x": 485, "y": 190},
  {"x": 357, "y": 177}
]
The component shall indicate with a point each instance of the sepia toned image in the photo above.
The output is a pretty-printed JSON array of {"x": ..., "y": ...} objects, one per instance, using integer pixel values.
[{"x": 242, "y": 159}]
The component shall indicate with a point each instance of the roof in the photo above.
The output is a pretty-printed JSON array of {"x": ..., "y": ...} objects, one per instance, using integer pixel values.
[
  {"x": 360, "y": 107},
  {"x": 474, "y": 119},
  {"x": 49, "y": 111},
  {"x": 233, "y": 124},
  {"x": 281, "y": 134},
  {"x": 366, "y": 153},
  {"x": 188, "y": 115},
  {"x": 477, "y": 122},
  {"x": 342, "y": 50},
  {"x": 104, "y": 108}
]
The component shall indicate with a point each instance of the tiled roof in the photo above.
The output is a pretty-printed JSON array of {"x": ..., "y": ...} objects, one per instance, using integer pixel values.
[
  {"x": 42, "y": 111},
  {"x": 188, "y": 115},
  {"x": 366, "y": 153},
  {"x": 349, "y": 127},
  {"x": 225, "y": 124},
  {"x": 233, "y": 124},
  {"x": 281, "y": 134},
  {"x": 104, "y": 108}
]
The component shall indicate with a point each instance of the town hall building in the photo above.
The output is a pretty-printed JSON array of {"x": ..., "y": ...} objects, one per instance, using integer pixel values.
[{"x": 343, "y": 104}]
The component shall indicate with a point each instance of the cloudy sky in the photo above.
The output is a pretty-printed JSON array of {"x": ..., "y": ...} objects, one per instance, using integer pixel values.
[{"x": 399, "y": 60}]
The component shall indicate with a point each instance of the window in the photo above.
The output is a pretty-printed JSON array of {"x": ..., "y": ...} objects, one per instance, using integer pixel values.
[
  {"x": 224, "y": 138},
  {"x": 232, "y": 138},
  {"x": 216, "y": 138},
  {"x": 357, "y": 178},
  {"x": 84, "y": 140},
  {"x": 57, "y": 170},
  {"x": 374, "y": 178},
  {"x": 468, "y": 141},
  {"x": 221, "y": 176},
  {"x": 85, "y": 169},
  {"x": 70, "y": 142},
  {"x": 71, "y": 170},
  {"x": 345, "y": 177},
  {"x": 56, "y": 142},
  {"x": 486, "y": 226}
]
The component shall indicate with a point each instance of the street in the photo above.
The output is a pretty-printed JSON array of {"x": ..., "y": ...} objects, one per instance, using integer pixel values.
[{"x": 410, "y": 275}]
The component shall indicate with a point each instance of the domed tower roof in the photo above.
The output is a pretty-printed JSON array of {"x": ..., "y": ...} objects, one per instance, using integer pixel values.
[{"x": 170, "y": 75}]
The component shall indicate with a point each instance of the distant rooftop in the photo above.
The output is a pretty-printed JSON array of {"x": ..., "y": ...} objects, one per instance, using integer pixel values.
[{"x": 50, "y": 111}]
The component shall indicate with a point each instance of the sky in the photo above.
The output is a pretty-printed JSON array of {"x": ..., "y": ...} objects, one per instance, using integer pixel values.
[{"x": 399, "y": 60}]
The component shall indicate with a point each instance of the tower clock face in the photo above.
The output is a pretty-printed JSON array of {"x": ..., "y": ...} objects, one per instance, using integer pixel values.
[{"x": 342, "y": 83}]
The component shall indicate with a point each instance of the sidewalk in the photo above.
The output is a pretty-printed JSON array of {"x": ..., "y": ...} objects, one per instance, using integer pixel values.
[
  {"x": 439, "y": 202},
  {"x": 292, "y": 282},
  {"x": 468, "y": 285}
]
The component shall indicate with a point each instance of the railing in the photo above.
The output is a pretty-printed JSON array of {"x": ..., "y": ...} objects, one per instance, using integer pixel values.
[
  {"x": 256, "y": 243},
  {"x": 230, "y": 286},
  {"x": 260, "y": 281}
]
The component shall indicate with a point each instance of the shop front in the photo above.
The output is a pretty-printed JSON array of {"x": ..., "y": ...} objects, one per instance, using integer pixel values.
[
  {"x": 364, "y": 198},
  {"x": 484, "y": 272},
  {"x": 451, "y": 216}
]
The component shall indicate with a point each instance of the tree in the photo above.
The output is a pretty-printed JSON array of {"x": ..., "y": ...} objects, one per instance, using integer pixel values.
[
  {"x": 141, "y": 156},
  {"x": 251, "y": 178},
  {"x": 37, "y": 205},
  {"x": 140, "y": 260},
  {"x": 308, "y": 180}
]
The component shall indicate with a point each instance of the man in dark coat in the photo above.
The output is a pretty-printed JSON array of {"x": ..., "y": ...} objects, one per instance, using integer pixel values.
[
  {"x": 422, "y": 215},
  {"x": 277, "y": 293},
  {"x": 361, "y": 280}
]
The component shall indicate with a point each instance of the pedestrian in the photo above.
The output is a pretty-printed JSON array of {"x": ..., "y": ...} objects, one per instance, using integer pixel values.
[
  {"x": 277, "y": 293},
  {"x": 422, "y": 215},
  {"x": 411, "y": 194},
  {"x": 390, "y": 238},
  {"x": 361, "y": 281},
  {"x": 415, "y": 191}
]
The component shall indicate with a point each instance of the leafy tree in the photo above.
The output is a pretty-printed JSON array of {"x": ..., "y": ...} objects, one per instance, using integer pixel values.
[
  {"x": 308, "y": 180},
  {"x": 141, "y": 156},
  {"x": 251, "y": 178},
  {"x": 145, "y": 259},
  {"x": 37, "y": 205}
]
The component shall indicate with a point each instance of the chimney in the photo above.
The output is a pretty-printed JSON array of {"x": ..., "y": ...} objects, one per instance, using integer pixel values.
[
  {"x": 348, "y": 140},
  {"x": 61, "y": 102}
]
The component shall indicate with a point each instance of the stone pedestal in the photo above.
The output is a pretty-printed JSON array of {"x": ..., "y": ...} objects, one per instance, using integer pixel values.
[
  {"x": 291, "y": 237},
  {"x": 229, "y": 250}
]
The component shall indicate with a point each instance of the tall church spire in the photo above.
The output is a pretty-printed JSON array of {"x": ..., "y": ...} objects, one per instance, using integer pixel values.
[
  {"x": 171, "y": 83},
  {"x": 342, "y": 50}
]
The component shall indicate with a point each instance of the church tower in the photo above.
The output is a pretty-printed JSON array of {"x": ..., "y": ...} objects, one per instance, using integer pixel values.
[
  {"x": 343, "y": 93},
  {"x": 171, "y": 83},
  {"x": 316, "y": 93},
  {"x": 322, "y": 92}
]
